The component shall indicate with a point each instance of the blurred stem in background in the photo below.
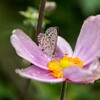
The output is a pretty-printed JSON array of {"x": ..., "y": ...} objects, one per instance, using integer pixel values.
[
  {"x": 40, "y": 18},
  {"x": 25, "y": 90},
  {"x": 38, "y": 30}
]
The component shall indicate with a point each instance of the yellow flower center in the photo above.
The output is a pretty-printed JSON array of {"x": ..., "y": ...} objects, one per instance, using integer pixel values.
[{"x": 57, "y": 66}]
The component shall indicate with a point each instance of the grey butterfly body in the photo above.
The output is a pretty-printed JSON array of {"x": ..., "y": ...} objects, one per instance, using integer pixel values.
[{"x": 48, "y": 41}]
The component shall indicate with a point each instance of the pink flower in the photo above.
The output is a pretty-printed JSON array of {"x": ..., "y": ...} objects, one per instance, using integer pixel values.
[{"x": 81, "y": 66}]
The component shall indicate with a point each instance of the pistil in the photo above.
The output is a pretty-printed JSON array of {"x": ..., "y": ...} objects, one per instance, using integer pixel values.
[{"x": 57, "y": 66}]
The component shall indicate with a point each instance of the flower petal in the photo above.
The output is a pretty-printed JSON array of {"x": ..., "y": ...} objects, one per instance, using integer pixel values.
[
  {"x": 94, "y": 77},
  {"x": 27, "y": 49},
  {"x": 36, "y": 73},
  {"x": 76, "y": 74},
  {"x": 88, "y": 43},
  {"x": 95, "y": 69},
  {"x": 92, "y": 66},
  {"x": 63, "y": 47}
]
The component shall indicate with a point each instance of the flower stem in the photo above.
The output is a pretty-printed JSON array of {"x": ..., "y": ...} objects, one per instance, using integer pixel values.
[
  {"x": 25, "y": 91},
  {"x": 63, "y": 89},
  {"x": 40, "y": 18},
  {"x": 38, "y": 30}
]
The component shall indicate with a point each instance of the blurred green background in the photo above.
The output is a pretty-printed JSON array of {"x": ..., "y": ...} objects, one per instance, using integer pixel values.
[{"x": 68, "y": 16}]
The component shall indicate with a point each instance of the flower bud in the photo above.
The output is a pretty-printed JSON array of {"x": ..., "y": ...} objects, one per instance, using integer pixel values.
[{"x": 50, "y": 7}]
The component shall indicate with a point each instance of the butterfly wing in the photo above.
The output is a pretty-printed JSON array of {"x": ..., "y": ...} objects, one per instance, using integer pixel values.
[
  {"x": 44, "y": 43},
  {"x": 52, "y": 34},
  {"x": 47, "y": 41},
  {"x": 40, "y": 37}
]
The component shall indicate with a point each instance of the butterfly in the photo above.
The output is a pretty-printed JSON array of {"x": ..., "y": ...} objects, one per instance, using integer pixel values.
[{"x": 47, "y": 42}]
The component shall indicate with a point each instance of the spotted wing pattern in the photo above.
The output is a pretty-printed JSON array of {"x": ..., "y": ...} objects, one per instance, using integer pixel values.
[
  {"x": 47, "y": 41},
  {"x": 40, "y": 36}
]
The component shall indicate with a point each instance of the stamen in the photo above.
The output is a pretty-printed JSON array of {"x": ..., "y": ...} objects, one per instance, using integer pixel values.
[{"x": 57, "y": 66}]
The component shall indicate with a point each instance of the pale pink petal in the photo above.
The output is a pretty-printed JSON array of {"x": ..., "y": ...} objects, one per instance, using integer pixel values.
[
  {"x": 95, "y": 69},
  {"x": 36, "y": 73},
  {"x": 94, "y": 77},
  {"x": 63, "y": 47},
  {"x": 92, "y": 66},
  {"x": 28, "y": 50},
  {"x": 88, "y": 43},
  {"x": 76, "y": 74}
]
